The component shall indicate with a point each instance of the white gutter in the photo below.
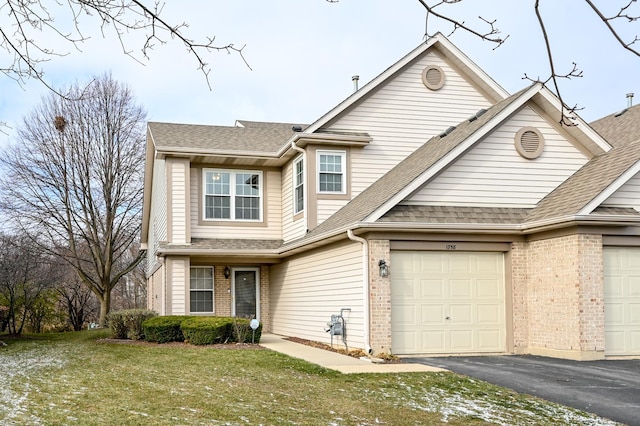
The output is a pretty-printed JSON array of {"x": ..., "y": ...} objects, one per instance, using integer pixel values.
[
  {"x": 304, "y": 182},
  {"x": 365, "y": 287}
]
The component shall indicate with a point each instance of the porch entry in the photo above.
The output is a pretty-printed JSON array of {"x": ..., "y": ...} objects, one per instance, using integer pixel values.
[{"x": 245, "y": 291}]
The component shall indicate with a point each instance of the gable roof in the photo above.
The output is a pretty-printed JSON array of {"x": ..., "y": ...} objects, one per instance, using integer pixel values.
[
  {"x": 439, "y": 42},
  {"x": 248, "y": 136}
]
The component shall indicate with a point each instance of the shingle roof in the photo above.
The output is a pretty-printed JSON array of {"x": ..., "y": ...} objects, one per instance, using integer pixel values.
[
  {"x": 620, "y": 128},
  {"x": 254, "y": 136},
  {"x": 225, "y": 244},
  {"x": 587, "y": 183},
  {"x": 454, "y": 214}
]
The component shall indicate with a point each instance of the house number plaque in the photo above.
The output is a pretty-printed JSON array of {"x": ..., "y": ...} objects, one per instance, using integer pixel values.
[{"x": 451, "y": 247}]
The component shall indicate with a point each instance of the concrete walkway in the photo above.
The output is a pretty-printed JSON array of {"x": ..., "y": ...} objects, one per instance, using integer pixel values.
[{"x": 335, "y": 361}]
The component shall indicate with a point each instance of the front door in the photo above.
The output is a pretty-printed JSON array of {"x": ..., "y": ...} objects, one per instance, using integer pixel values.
[{"x": 246, "y": 292}]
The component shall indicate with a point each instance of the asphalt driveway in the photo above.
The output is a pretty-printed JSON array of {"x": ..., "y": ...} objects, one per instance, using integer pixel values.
[{"x": 609, "y": 389}]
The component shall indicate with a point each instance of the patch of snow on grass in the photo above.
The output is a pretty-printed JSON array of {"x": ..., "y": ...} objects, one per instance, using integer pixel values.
[{"x": 16, "y": 371}]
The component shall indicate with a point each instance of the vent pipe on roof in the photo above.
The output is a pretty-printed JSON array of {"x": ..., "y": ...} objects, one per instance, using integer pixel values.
[
  {"x": 355, "y": 80},
  {"x": 629, "y": 100}
]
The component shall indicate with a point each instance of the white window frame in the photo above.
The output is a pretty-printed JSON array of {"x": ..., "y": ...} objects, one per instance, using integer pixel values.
[
  {"x": 343, "y": 173},
  {"x": 213, "y": 287},
  {"x": 298, "y": 185},
  {"x": 232, "y": 194}
]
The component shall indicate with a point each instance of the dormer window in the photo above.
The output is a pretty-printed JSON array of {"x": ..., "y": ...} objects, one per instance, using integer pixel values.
[
  {"x": 331, "y": 172},
  {"x": 232, "y": 195}
]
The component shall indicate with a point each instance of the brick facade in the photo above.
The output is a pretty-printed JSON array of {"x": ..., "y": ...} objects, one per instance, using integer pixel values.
[
  {"x": 380, "y": 297},
  {"x": 565, "y": 297}
]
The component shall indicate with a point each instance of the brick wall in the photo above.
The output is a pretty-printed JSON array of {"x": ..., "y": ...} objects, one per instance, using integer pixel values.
[
  {"x": 564, "y": 295},
  {"x": 380, "y": 297}
]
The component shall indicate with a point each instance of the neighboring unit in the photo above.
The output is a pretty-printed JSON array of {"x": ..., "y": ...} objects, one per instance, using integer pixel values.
[{"x": 444, "y": 216}]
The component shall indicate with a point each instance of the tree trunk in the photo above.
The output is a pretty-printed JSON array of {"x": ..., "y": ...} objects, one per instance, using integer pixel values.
[{"x": 105, "y": 307}]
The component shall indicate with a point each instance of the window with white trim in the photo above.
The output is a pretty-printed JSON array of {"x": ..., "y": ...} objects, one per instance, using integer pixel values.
[
  {"x": 232, "y": 194},
  {"x": 298, "y": 185},
  {"x": 201, "y": 289},
  {"x": 331, "y": 171}
]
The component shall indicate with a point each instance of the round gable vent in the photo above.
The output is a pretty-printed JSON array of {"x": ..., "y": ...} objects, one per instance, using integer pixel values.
[
  {"x": 433, "y": 77},
  {"x": 529, "y": 142}
]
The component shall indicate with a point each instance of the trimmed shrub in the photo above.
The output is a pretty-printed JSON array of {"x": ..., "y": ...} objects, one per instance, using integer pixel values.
[
  {"x": 206, "y": 330},
  {"x": 127, "y": 323},
  {"x": 242, "y": 332},
  {"x": 164, "y": 329},
  {"x": 115, "y": 321}
]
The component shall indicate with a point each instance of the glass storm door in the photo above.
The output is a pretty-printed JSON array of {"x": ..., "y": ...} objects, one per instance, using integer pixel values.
[{"x": 246, "y": 293}]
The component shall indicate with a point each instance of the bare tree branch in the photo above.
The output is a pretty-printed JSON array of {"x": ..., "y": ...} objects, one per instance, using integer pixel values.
[{"x": 32, "y": 24}]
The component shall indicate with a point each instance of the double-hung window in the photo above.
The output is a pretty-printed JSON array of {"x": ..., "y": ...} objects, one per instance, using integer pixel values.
[
  {"x": 298, "y": 185},
  {"x": 232, "y": 195},
  {"x": 201, "y": 289},
  {"x": 331, "y": 172}
]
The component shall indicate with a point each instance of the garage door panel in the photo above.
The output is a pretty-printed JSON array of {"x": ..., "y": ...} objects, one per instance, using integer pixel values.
[
  {"x": 489, "y": 289},
  {"x": 432, "y": 288},
  {"x": 489, "y": 314},
  {"x": 460, "y": 314},
  {"x": 634, "y": 286},
  {"x": 431, "y": 341},
  {"x": 466, "y": 287},
  {"x": 489, "y": 341},
  {"x": 460, "y": 289},
  {"x": 432, "y": 315},
  {"x": 614, "y": 314},
  {"x": 462, "y": 341},
  {"x": 405, "y": 287},
  {"x": 430, "y": 265},
  {"x": 634, "y": 314},
  {"x": 614, "y": 286},
  {"x": 405, "y": 315},
  {"x": 622, "y": 300}
]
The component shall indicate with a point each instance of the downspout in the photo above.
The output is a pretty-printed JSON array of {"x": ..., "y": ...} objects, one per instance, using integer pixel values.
[
  {"x": 304, "y": 180},
  {"x": 365, "y": 287}
]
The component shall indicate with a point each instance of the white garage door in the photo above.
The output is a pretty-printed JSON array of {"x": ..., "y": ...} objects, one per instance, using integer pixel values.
[
  {"x": 447, "y": 302},
  {"x": 622, "y": 300}
]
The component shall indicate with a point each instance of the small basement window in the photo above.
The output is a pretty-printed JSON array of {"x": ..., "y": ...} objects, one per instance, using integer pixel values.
[
  {"x": 433, "y": 77},
  {"x": 529, "y": 142}
]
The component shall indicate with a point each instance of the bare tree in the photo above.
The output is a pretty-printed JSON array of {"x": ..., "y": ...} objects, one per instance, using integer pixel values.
[
  {"x": 76, "y": 300},
  {"x": 31, "y": 27},
  {"x": 486, "y": 29},
  {"x": 24, "y": 279},
  {"x": 74, "y": 179}
]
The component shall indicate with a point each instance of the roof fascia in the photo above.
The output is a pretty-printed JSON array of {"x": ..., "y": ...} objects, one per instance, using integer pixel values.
[
  {"x": 455, "y": 153},
  {"x": 611, "y": 189},
  {"x": 580, "y": 128}
]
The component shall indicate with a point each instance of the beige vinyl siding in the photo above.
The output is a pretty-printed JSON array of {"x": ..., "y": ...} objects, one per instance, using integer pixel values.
[
  {"x": 291, "y": 229},
  {"x": 494, "y": 174},
  {"x": 328, "y": 207},
  {"x": 404, "y": 114},
  {"x": 178, "y": 270},
  {"x": 179, "y": 179},
  {"x": 308, "y": 289},
  {"x": 272, "y": 205},
  {"x": 157, "y": 213},
  {"x": 627, "y": 196}
]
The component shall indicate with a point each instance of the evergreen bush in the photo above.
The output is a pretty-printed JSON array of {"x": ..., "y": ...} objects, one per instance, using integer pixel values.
[
  {"x": 164, "y": 329},
  {"x": 206, "y": 330}
]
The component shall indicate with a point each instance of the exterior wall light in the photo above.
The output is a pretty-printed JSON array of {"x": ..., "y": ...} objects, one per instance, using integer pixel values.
[
  {"x": 384, "y": 268},
  {"x": 227, "y": 272}
]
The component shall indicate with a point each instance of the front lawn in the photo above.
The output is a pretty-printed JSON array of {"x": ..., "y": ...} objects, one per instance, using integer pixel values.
[{"x": 76, "y": 379}]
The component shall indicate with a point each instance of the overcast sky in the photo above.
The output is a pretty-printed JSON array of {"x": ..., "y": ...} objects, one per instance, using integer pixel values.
[{"x": 303, "y": 53}]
